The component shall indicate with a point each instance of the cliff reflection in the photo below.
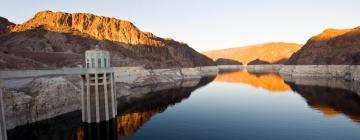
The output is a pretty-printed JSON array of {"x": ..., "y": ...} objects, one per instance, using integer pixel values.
[
  {"x": 330, "y": 101},
  {"x": 135, "y": 113},
  {"x": 268, "y": 81}
]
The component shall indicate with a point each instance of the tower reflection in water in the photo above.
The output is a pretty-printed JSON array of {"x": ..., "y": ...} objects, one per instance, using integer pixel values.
[
  {"x": 135, "y": 112},
  {"x": 105, "y": 130}
]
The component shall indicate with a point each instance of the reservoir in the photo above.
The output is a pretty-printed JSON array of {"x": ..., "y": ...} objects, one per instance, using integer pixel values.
[{"x": 233, "y": 105}]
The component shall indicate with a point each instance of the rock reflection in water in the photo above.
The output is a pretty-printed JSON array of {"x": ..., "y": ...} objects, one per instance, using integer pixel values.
[
  {"x": 330, "y": 101},
  {"x": 133, "y": 112},
  {"x": 268, "y": 81}
]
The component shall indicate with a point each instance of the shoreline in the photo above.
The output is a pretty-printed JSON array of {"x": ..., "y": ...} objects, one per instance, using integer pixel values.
[
  {"x": 347, "y": 72},
  {"x": 33, "y": 99}
]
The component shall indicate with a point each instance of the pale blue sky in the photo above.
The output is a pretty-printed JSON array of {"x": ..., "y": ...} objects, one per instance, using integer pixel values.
[{"x": 209, "y": 24}]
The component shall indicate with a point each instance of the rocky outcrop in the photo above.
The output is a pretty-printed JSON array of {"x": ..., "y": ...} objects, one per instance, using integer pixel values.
[
  {"x": 140, "y": 77},
  {"x": 258, "y": 62},
  {"x": 331, "y": 47},
  {"x": 57, "y": 39},
  {"x": 223, "y": 61},
  {"x": 5, "y": 25},
  {"x": 41, "y": 99},
  {"x": 274, "y": 53}
]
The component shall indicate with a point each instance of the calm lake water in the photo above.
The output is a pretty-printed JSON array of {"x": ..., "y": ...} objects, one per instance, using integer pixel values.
[{"x": 234, "y": 105}]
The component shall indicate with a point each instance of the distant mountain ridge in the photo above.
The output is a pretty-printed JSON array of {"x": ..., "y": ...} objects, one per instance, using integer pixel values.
[
  {"x": 274, "y": 52},
  {"x": 331, "y": 47},
  {"x": 57, "y": 39}
]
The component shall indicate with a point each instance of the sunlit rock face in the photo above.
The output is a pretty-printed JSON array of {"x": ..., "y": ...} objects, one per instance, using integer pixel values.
[
  {"x": 274, "y": 53},
  {"x": 268, "y": 81},
  {"x": 330, "y": 101},
  {"x": 57, "y": 39},
  {"x": 331, "y": 47}
]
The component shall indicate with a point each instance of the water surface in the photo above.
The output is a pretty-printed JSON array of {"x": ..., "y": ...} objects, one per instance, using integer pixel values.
[{"x": 236, "y": 105}]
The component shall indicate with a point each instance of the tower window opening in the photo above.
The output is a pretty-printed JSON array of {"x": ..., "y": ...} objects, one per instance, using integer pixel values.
[
  {"x": 99, "y": 63},
  {"x": 92, "y": 62},
  {"x": 105, "y": 62}
]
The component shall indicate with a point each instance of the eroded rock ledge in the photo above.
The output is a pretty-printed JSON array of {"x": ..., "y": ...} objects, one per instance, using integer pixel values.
[{"x": 347, "y": 72}]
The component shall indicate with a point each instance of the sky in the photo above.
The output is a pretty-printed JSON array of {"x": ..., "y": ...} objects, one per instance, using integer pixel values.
[{"x": 209, "y": 24}]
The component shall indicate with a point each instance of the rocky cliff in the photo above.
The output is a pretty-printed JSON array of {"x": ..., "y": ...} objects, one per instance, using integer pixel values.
[
  {"x": 5, "y": 25},
  {"x": 331, "y": 47},
  {"x": 276, "y": 52},
  {"x": 57, "y": 39}
]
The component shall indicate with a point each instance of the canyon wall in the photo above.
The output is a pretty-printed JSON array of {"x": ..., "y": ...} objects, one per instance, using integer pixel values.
[
  {"x": 57, "y": 39},
  {"x": 331, "y": 47}
]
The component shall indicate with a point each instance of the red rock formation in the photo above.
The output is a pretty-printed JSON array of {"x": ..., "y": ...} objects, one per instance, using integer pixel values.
[
  {"x": 49, "y": 37},
  {"x": 331, "y": 47},
  {"x": 275, "y": 52}
]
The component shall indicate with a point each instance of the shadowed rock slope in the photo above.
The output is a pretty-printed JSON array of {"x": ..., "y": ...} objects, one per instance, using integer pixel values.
[
  {"x": 5, "y": 25},
  {"x": 331, "y": 47},
  {"x": 223, "y": 61},
  {"x": 57, "y": 39},
  {"x": 258, "y": 62},
  {"x": 276, "y": 52}
]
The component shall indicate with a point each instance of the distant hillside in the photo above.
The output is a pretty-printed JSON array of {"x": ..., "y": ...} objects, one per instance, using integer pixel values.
[
  {"x": 276, "y": 52},
  {"x": 258, "y": 62},
  {"x": 222, "y": 61},
  {"x": 331, "y": 47},
  {"x": 57, "y": 39}
]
